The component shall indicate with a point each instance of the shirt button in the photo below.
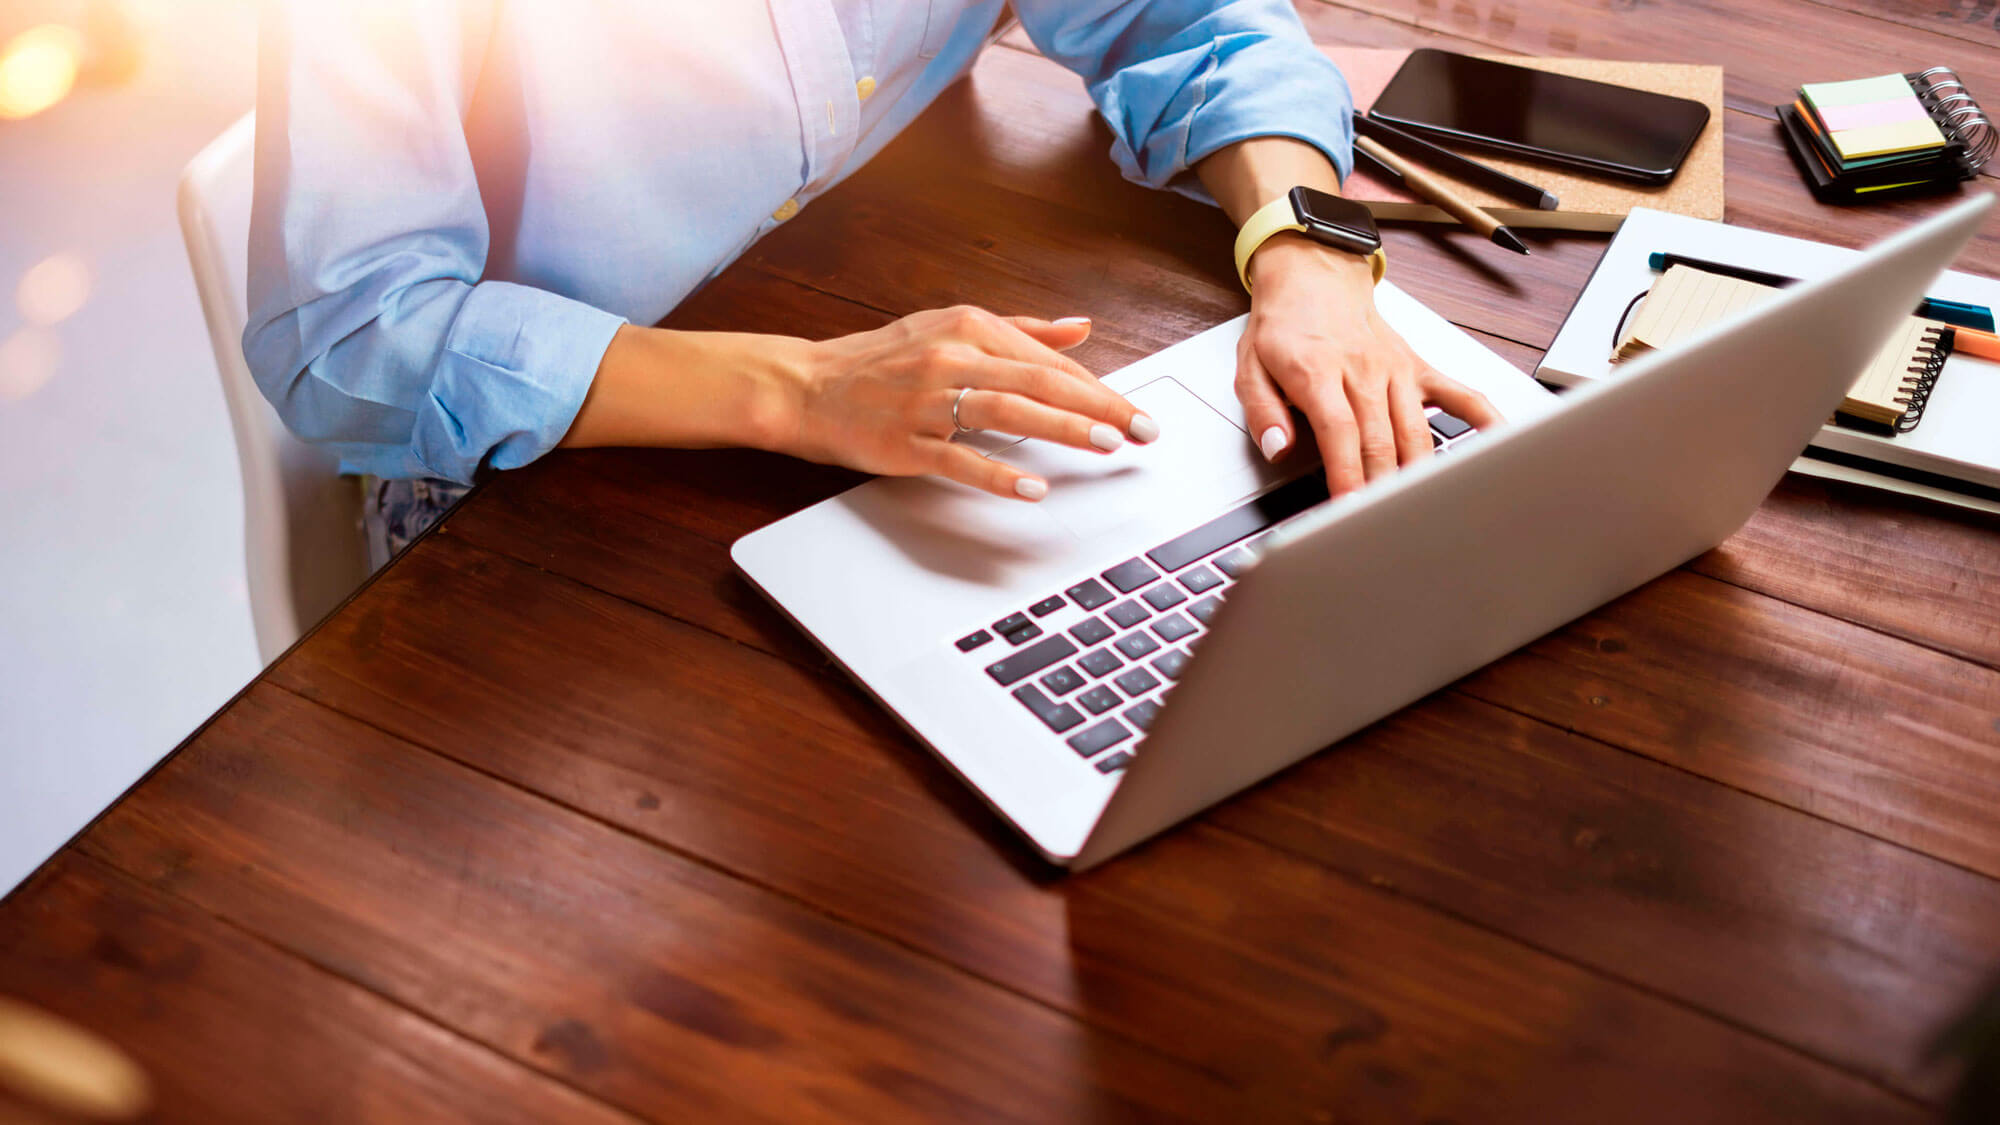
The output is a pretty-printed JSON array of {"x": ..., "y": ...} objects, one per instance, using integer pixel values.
[
  {"x": 864, "y": 87},
  {"x": 790, "y": 208}
]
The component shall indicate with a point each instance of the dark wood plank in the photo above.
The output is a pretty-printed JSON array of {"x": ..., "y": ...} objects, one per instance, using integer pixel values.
[
  {"x": 1855, "y": 949},
  {"x": 1835, "y": 719},
  {"x": 230, "y": 1028},
  {"x": 1976, "y": 22},
  {"x": 654, "y": 982},
  {"x": 838, "y": 808},
  {"x": 1925, "y": 572}
]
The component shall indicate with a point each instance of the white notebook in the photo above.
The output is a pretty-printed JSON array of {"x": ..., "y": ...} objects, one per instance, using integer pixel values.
[{"x": 1959, "y": 437}]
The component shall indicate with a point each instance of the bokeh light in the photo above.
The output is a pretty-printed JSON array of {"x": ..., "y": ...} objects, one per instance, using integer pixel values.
[
  {"x": 28, "y": 361},
  {"x": 38, "y": 68},
  {"x": 53, "y": 289}
]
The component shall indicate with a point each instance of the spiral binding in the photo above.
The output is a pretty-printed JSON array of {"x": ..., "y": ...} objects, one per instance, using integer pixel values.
[
  {"x": 1957, "y": 114},
  {"x": 1922, "y": 377}
]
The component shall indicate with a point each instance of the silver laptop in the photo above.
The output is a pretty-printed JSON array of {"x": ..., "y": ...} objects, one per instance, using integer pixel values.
[{"x": 1178, "y": 621}]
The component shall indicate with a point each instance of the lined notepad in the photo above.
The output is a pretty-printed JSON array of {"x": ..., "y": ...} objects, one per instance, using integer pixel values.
[{"x": 1890, "y": 391}]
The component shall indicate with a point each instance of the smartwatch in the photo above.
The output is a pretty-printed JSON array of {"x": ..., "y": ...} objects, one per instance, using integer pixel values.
[{"x": 1326, "y": 219}]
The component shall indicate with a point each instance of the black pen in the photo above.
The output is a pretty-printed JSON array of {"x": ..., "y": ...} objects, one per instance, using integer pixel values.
[
  {"x": 1933, "y": 308},
  {"x": 1464, "y": 168}
]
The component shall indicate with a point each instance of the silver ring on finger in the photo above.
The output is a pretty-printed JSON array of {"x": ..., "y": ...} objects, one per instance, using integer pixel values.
[{"x": 956, "y": 425}]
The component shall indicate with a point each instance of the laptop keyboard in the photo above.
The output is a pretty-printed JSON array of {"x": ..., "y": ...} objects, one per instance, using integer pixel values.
[{"x": 1094, "y": 662}]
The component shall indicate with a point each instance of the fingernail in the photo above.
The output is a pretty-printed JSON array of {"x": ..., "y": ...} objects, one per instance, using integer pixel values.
[
  {"x": 1272, "y": 443},
  {"x": 1028, "y": 488},
  {"x": 1069, "y": 320},
  {"x": 1144, "y": 429},
  {"x": 1106, "y": 437}
]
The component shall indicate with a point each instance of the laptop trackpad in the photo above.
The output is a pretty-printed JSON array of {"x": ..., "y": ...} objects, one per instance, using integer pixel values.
[{"x": 1201, "y": 461}]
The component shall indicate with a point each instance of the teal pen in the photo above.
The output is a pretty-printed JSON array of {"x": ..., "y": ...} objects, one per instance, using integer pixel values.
[{"x": 1931, "y": 308}]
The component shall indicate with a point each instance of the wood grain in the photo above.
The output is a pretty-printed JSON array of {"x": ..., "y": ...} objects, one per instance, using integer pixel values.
[
  {"x": 865, "y": 827},
  {"x": 654, "y": 982},
  {"x": 1924, "y": 572},
  {"x": 1853, "y": 948},
  {"x": 230, "y": 1028},
  {"x": 1903, "y": 743}
]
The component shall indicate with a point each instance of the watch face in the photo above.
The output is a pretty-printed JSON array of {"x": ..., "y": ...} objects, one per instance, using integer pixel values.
[{"x": 1336, "y": 221}]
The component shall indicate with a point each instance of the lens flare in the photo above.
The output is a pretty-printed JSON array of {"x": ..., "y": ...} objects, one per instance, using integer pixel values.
[
  {"x": 53, "y": 289},
  {"x": 37, "y": 69},
  {"x": 28, "y": 360}
]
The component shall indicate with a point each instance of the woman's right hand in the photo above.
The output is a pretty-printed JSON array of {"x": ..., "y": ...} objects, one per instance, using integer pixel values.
[{"x": 882, "y": 401}]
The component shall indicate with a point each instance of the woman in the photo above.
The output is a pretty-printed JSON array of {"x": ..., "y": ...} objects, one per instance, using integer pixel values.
[{"x": 466, "y": 211}]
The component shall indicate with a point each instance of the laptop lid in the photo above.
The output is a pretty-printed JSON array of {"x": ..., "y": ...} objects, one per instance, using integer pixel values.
[{"x": 1377, "y": 598}]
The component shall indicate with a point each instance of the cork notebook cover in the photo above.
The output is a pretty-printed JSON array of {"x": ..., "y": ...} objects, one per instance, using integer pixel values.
[{"x": 1588, "y": 203}]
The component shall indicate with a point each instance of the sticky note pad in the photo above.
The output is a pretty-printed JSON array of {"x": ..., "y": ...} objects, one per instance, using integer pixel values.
[
  {"x": 1862, "y": 115},
  {"x": 1859, "y": 91},
  {"x": 1882, "y": 140}
]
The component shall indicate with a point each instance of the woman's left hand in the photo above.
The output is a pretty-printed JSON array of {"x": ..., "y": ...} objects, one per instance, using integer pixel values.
[{"x": 1315, "y": 342}]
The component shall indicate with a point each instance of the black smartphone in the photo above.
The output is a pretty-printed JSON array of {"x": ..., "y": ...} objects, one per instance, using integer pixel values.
[{"x": 1575, "y": 123}]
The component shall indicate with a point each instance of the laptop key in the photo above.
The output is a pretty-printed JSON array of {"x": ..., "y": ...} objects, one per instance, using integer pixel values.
[
  {"x": 1236, "y": 562},
  {"x": 1164, "y": 596},
  {"x": 1130, "y": 575},
  {"x": 973, "y": 640},
  {"x": 1089, "y": 594},
  {"x": 1137, "y": 682},
  {"x": 1136, "y": 645},
  {"x": 1275, "y": 506},
  {"x": 1112, "y": 763},
  {"x": 1058, "y": 717},
  {"x": 1093, "y": 740},
  {"x": 1447, "y": 427},
  {"x": 1098, "y": 700},
  {"x": 1205, "y": 610},
  {"x": 1173, "y": 627},
  {"x": 1142, "y": 714},
  {"x": 1031, "y": 660},
  {"x": 1024, "y": 634},
  {"x": 1089, "y": 631},
  {"x": 1047, "y": 605},
  {"x": 1063, "y": 680},
  {"x": 1199, "y": 579},
  {"x": 1100, "y": 663},
  {"x": 1128, "y": 613},
  {"x": 1171, "y": 663},
  {"x": 1010, "y": 623}
]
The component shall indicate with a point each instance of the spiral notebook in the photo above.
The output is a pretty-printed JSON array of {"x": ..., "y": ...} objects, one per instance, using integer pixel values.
[{"x": 1891, "y": 393}]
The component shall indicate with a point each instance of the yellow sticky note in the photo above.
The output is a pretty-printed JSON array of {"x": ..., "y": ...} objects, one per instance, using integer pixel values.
[{"x": 1886, "y": 140}]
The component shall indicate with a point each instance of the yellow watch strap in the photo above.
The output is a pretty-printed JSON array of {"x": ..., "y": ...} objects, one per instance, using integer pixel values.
[{"x": 1276, "y": 217}]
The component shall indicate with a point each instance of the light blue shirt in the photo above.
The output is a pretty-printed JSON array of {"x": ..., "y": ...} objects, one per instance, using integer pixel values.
[{"x": 458, "y": 203}]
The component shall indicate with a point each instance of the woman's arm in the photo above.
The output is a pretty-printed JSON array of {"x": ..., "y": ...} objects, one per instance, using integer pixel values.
[
  {"x": 886, "y": 401},
  {"x": 371, "y": 329}
]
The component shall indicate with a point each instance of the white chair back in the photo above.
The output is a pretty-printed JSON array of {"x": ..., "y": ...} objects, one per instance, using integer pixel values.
[{"x": 303, "y": 544}]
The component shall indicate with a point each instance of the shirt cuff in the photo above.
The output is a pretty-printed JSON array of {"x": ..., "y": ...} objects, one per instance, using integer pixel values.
[
  {"x": 1273, "y": 87},
  {"x": 513, "y": 373}
]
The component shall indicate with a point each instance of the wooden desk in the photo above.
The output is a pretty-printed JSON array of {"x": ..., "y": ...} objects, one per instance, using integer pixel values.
[{"x": 557, "y": 820}]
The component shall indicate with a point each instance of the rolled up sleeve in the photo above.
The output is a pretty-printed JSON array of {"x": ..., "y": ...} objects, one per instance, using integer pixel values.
[
  {"x": 369, "y": 326},
  {"x": 1178, "y": 79}
]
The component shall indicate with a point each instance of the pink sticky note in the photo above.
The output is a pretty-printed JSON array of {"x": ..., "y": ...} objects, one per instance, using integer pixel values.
[{"x": 1838, "y": 117}]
